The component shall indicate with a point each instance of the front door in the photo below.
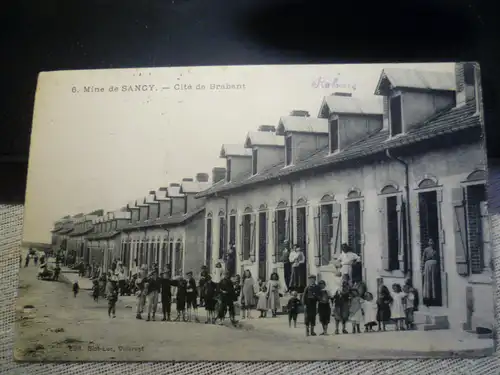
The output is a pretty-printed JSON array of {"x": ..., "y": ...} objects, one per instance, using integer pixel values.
[
  {"x": 429, "y": 229},
  {"x": 263, "y": 246}
]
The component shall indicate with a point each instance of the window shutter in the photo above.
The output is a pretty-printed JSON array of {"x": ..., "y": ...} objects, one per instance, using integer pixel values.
[
  {"x": 384, "y": 248},
  {"x": 317, "y": 245},
  {"x": 459, "y": 76},
  {"x": 275, "y": 234},
  {"x": 486, "y": 236},
  {"x": 287, "y": 227},
  {"x": 460, "y": 229},
  {"x": 252, "y": 238},
  {"x": 336, "y": 226},
  {"x": 401, "y": 208},
  {"x": 242, "y": 241}
]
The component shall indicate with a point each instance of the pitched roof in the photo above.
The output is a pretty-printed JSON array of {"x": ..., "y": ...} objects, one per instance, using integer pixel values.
[
  {"x": 234, "y": 150},
  {"x": 104, "y": 236},
  {"x": 298, "y": 124},
  {"x": 176, "y": 219},
  {"x": 80, "y": 232},
  {"x": 416, "y": 79},
  {"x": 189, "y": 187},
  {"x": 347, "y": 104},
  {"x": 66, "y": 231},
  {"x": 447, "y": 122},
  {"x": 256, "y": 138}
]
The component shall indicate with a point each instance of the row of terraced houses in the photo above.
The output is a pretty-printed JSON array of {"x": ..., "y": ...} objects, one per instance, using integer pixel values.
[{"x": 383, "y": 175}]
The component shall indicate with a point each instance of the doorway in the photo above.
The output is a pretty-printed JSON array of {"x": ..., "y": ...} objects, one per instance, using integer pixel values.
[
  {"x": 429, "y": 229},
  {"x": 263, "y": 245},
  {"x": 302, "y": 243},
  {"x": 354, "y": 237}
]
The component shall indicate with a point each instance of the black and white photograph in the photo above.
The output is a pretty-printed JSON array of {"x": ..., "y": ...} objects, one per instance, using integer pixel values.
[{"x": 257, "y": 213}]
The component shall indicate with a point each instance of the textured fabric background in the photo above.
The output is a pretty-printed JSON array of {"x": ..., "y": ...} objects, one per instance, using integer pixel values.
[{"x": 11, "y": 219}]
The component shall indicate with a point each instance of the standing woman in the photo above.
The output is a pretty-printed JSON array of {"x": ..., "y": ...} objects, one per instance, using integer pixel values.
[
  {"x": 248, "y": 292},
  {"x": 430, "y": 273},
  {"x": 347, "y": 259},
  {"x": 298, "y": 259},
  {"x": 273, "y": 294}
]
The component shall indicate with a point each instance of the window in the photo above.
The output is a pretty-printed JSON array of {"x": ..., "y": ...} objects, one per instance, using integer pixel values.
[
  {"x": 393, "y": 232},
  {"x": 254, "y": 161},
  {"x": 164, "y": 260},
  {"x": 232, "y": 230},
  {"x": 396, "y": 120},
  {"x": 208, "y": 252},
  {"x": 326, "y": 233},
  {"x": 159, "y": 211},
  {"x": 288, "y": 150},
  {"x": 146, "y": 217},
  {"x": 171, "y": 207},
  {"x": 334, "y": 135},
  {"x": 115, "y": 224},
  {"x": 222, "y": 230},
  {"x": 469, "y": 76},
  {"x": 228, "y": 170},
  {"x": 247, "y": 233},
  {"x": 280, "y": 233},
  {"x": 185, "y": 204}
]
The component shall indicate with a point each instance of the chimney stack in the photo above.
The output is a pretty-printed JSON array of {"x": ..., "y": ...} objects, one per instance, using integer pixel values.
[
  {"x": 218, "y": 174},
  {"x": 347, "y": 94},
  {"x": 299, "y": 113},
  {"x": 174, "y": 184},
  {"x": 202, "y": 177},
  {"x": 267, "y": 128},
  {"x": 187, "y": 179}
]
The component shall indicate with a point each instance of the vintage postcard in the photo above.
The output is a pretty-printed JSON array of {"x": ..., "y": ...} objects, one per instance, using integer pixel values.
[{"x": 257, "y": 213}]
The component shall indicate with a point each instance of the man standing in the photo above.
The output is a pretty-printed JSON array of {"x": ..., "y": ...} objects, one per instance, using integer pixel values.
[
  {"x": 140, "y": 292},
  {"x": 153, "y": 291},
  {"x": 203, "y": 278},
  {"x": 227, "y": 298},
  {"x": 310, "y": 303},
  {"x": 120, "y": 273}
]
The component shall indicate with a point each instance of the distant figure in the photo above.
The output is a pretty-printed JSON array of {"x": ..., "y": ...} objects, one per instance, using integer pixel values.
[
  {"x": 430, "y": 272},
  {"x": 293, "y": 309},
  {"x": 218, "y": 273},
  {"x": 347, "y": 259},
  {"x": 95, "y": 290},
  {"x": 27, "y": 260},
  {"x": 57, "y": 271},
  {"x": 191, "y": 297},
  {"x": 112, "y": 295},
  {"x": 20, "y": 260},
  {"x": 35, "y": 259},
  {"x": 76, "y": 288},
  {"x": 209, "y": 295}
]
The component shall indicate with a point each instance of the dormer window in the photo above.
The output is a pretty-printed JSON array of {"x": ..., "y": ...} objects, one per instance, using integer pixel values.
[
  {"x": 228, "y": 170},
  {"x": 185, "y": 204},
  {"x": 396, "y": 118},
  {"x": 288, "y": 150},
  {"x": 334, "y": 135},
  {"x": 254, "y": 161},
  {"x": 469, "y": 76}
]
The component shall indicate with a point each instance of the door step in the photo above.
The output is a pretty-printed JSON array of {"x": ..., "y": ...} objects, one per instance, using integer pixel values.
[{"x": 432, "y": 320}]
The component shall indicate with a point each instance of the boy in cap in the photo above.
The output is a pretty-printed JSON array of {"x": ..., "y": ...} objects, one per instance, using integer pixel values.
[
  {"x": 310, "y": 302},
  {"x": 191, "y": 297},
  {"x": 153, "y": 290}
]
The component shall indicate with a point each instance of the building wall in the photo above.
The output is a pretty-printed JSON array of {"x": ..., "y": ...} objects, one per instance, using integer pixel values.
[
  {"x": 449, "y": 167},
  {"x": 194, "y": 254}
]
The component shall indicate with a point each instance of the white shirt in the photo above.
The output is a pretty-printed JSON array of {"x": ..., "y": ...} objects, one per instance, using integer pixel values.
[
  {"x": 120, "y": 274},
  {"x": 346, "y": 261},
  {"x": 217, "y": 277},
  {"x": 293, "y": 256}
]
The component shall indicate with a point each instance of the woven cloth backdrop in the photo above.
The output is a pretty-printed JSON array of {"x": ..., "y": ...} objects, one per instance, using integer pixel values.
[{"x": 11, "y": 220}]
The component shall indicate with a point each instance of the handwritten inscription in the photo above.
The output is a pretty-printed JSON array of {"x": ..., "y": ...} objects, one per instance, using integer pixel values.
[
  {"x": 332, "y": 83},
  {"x": 93, "y": 89}
]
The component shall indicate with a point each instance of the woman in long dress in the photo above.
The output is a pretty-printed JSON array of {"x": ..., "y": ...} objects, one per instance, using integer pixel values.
[
  {"x": 248, "y": 293},
  {"x": 430, "y": 274},
  {"x": 273, "y": 293}
]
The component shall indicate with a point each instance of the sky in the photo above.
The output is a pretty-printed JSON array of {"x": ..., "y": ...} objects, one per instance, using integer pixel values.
[{"x": 103, "y": 149}]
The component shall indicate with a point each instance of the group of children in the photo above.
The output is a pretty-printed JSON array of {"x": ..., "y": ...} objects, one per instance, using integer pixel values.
[{"x": 355, "y": 305}]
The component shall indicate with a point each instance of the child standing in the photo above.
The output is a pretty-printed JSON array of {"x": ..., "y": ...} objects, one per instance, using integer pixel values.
[
  {"x": 310, "y": 302},
  {"x": 411, "y": 305},
  {"x": 355, "y": 312},
  {"x": 397, "y": 307},
  {"x": 95, "y": 290},
  {"x": 370, "y": 312},
  {"x": 293, "y": 309},
  {"x": 180, "y": 299},
  {"x": 341, "y": 307},
  {"x": 209, "y": 294},
  {"x": 324, "y": 308},
  {"x": 76, "y": 288},
  {"x": 262, "y": 301},
  {"x": 112, "y": 296},
  {"x": 384, "y": 301}
]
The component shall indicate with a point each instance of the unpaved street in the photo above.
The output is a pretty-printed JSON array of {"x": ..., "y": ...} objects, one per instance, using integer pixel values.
[{"x": 67, "y": 328}]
